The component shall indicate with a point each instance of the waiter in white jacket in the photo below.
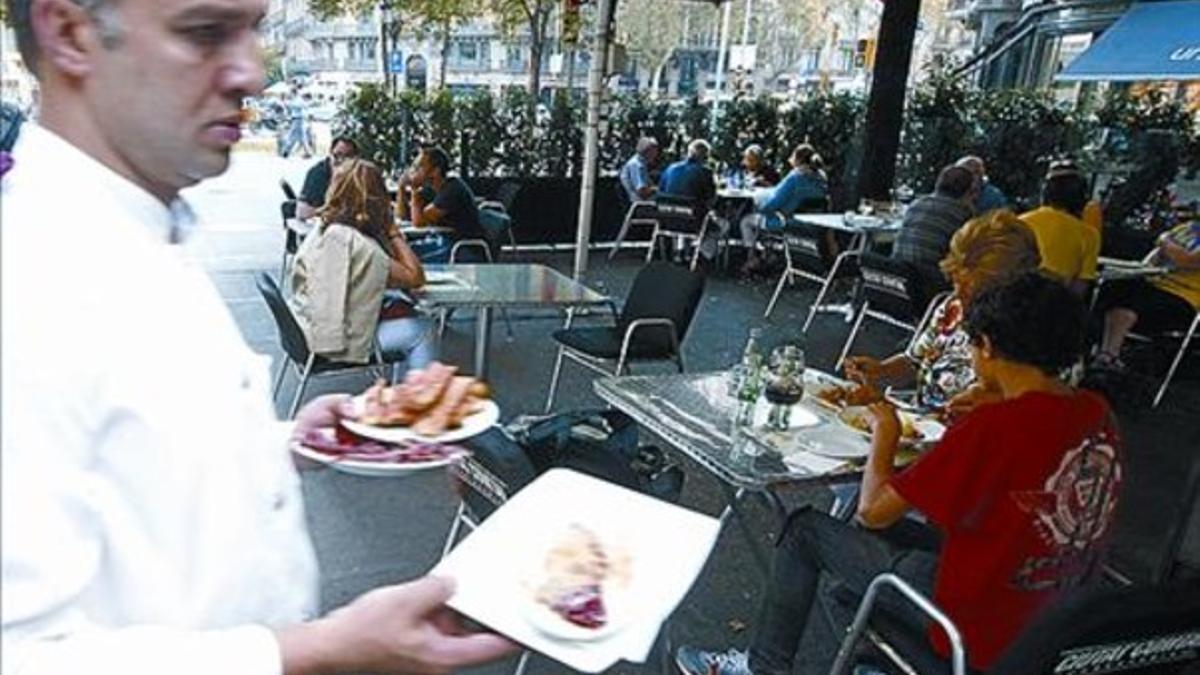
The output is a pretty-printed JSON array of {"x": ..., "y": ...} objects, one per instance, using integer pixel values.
[{"x": 152, "y": 519}]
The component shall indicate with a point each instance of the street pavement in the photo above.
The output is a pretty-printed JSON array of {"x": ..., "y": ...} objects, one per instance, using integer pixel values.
[{"x": 369, "y": 532}]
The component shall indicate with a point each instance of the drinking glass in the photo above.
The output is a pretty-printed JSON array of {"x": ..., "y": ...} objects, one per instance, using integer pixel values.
[{"x": 784, "y": 385}]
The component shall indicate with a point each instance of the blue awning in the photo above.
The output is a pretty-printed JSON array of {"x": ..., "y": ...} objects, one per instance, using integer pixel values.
[{"x": 1152, "y": 41}]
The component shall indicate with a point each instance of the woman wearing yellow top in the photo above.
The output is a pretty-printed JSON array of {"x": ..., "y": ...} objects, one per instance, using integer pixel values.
[
  {"x": 1163, "y": 303},
  {"x": 1069, "y": 248}
]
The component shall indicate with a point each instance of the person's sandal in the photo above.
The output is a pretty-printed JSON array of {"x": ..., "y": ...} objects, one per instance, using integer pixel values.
[{"x": 1107, "y": 362}]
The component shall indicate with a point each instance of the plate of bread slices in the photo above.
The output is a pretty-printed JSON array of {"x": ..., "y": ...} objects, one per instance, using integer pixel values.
[{"x": 432, "y": 405}]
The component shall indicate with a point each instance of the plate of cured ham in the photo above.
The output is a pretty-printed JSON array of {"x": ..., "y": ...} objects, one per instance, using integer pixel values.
[
  {"x": 340, "y": 449},
  {"x": 434, "y": 405}
]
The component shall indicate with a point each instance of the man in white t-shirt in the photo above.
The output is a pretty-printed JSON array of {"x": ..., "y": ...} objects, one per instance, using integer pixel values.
[{"x": 152, "y": 518}]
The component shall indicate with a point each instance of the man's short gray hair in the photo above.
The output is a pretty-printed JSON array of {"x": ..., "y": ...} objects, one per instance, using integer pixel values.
[
  {"x": 20, "y": 15},
  {"x": 754, "y": 149},
  {"x": 699, "y": 149},
  {"x": 645, "y": 144},
  {"x": 973, "y": 164}
]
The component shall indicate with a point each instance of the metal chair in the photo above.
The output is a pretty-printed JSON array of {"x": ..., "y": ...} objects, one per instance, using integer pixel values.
[
  {"x": 639, "y": 213},
  {"x": 458, "y": 247},
  {"x": 650, "y": 327},
  {"x": 506, "y": 195},
  {"x": 296, "y": 352},
  {"x": 1090, "y": 629},
  {"x": 888, "y": 289},
  {"x": 682, "y": 219},
  {"x": 1185, "y": 340},
  {"x": 805, "y": 256}
]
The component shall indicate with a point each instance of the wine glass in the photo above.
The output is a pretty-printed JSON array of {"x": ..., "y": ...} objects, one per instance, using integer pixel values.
[{"x": 784, "y": 385}]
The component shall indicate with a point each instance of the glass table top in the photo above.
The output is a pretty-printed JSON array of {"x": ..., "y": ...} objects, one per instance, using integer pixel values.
[
  {"x": 695, "y": 413},
  {"x": 503, "y": 285}
]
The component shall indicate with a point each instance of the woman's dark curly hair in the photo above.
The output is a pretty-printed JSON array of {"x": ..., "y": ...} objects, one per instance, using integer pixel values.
[{"x": 1032, "y": 319}]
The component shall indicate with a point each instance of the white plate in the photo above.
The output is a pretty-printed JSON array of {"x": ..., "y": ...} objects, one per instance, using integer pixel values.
[
  {"x": 371, "y": 469},
  {"x": 931, "y": 430},
  {"x": 472, "y": 425},
  {"x": 444, "y": 278}
]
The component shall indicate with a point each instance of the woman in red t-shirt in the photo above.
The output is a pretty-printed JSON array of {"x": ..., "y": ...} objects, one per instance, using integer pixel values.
[{"x": 1021, "y": 491}]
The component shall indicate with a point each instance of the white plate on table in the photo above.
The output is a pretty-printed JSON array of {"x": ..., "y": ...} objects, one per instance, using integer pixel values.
[
  {"x": 366, "y": 468},
  {"x": 472, "y": 425},
  {"x": 856, "y": 419}
]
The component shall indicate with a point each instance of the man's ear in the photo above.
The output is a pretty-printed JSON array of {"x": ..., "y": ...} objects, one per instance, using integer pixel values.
[
  {"x": 985, "y": 347},
  {"x": 66, "y": 36}
]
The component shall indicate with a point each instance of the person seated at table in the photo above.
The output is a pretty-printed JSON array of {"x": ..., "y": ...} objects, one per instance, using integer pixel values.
[
  {"x": 987, "y": 197},
  {"x": 343, "y": 267},
  {"x": 986, "y": 252},
  {"x": 1001, "y": 491},
  {"x": 1070, "y": 249},
  {"x": 429, "y": 196},
  {"x": 690, "y": 177},
  {"x": 930, "y": 222},
  {"x": 1153, "y": 305},
  {"x": 316, "y": 181},
  {"x": 805, "y": 184},
  {"x": 635, "y": 174},
  {"x": 756, "y": 172}
]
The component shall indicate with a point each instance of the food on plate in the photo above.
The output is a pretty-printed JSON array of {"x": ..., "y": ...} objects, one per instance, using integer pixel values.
[
  {"x": 861, "y": 420},
  {"x": 430, "y": 401},
  {"x": 575, "y": 572},
  {"x": 849, "y": 395},
  {"x": 341, "y": 444}
]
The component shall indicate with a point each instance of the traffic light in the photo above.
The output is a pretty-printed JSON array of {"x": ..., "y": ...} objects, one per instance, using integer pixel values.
[{"x": 864, "y": 54}]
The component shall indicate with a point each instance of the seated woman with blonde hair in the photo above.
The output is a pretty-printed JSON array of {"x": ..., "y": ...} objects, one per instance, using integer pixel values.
[
  {"x": 343, "y": 267},
  {"x": 985, "y": 252}
]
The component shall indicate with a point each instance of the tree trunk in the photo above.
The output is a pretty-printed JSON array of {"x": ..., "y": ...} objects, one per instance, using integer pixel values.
[
  {"x": 445, "y": 55},
  {"x": 656, "y": 77},
  {"x": 536, "y": 34},
  {"x": 885, "y": 107}
]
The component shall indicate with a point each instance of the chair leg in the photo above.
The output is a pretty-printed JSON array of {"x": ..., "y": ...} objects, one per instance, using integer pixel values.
[
  {"x": 301, "y": 386},
  {"x": 1183, "y": 347},
  {"x": 523, "y": 662},
  {"x": 507, "y": 324},
  {"x": 783, "y": 279},
  {"x": 862, "y": 313},
  {"x": 679, "y": 361},
  {"x": 653, "y": 243},
  {"x": 558, "y": 364},
  {"x": 455, "y": 528},
  {"x": 283, "y": 366},
  {"x": 441, "y": 330}
]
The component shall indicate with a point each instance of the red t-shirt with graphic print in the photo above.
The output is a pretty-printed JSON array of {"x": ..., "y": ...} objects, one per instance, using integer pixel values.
[{"x": 1023, "y": 491}]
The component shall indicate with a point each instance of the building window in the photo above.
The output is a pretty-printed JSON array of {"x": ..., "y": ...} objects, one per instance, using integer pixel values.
[
  {"x": 811, "y": 61},
  {"x": 468, "y": 50}
]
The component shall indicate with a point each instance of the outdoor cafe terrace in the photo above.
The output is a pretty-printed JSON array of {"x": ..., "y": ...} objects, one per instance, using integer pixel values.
[{"x": 370, "y": 531}]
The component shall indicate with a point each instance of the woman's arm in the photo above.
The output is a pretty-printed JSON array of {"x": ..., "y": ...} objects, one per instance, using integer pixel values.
[
  {"x": 1179, "y": 256},
  {"x": 405, "y": 269}
]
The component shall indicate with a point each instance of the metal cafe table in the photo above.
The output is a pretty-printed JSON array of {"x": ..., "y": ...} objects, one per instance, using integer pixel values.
[
  {"x": 693, "y": 412},
  {"x": 500, "y": 286}
]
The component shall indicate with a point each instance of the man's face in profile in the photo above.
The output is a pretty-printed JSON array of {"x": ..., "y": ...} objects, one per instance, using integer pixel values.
[{"x": 167, "y": 92}]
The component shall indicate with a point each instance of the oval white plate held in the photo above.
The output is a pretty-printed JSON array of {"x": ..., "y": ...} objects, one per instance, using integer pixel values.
[
  {"x": 472, "y": 425},
  {"x": 366, "y": 468}
]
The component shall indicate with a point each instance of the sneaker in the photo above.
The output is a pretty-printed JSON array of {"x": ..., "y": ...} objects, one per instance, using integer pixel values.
[{"x": 692, "y": 661}]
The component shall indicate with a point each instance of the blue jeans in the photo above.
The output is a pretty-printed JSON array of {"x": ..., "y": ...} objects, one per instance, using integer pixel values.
[
  {"x": 411, "y": 336},
  {"x": 813, "y": 542}
]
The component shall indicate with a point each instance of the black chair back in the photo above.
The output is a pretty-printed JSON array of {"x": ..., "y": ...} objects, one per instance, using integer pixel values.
[
  {"x": 291, "y": 241},
  {"x": 889, "y": 286},
  {"x": 662, "y": 290},
  {"x": 506, "y": 194},
  {"x": 288, "y": 192},
  {"x": 814, "y": 205},
  {"x": 1104, "y": 630},
  {"x": 807, "y": 248},
  {"x": 291, "y": 337},
  {"x": 677, "y": 213}
]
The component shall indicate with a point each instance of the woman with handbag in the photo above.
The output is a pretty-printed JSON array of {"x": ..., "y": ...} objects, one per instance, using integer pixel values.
[{"x": 343, "y": 268}]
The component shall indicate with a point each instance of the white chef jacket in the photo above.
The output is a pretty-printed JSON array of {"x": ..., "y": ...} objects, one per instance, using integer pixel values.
[{"x": 152, "y": 520}]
